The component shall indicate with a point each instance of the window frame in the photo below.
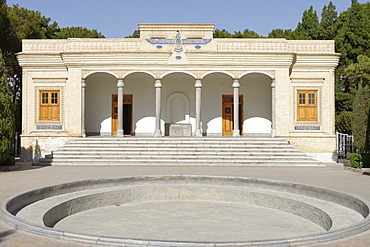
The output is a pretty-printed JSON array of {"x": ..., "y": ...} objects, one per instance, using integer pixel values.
[
  {"x": 305, "y": 104},
  {"x": 48, "y": 103}
]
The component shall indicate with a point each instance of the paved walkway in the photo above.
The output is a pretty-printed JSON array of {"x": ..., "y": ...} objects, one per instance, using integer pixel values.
[{"x": 25, "y": 177}]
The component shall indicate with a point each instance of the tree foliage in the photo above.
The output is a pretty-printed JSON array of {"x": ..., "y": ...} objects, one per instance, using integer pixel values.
[
  {"x": 217, "y": 33},
  {"x": 17, "y": 23},
  {"x": 309, "y": 27},
  {"x": 245, "y": 34},
  {"x": 328, "y": 28},
  {"x": 78, "y": 32},
  {"x": 353, "y": 38},
  {"x": 360, "y": 119},
  {"x": 6, "y": 115},
  {"x": 343, "y": 122},
  {"x": 237, "y": 34},
  {"x": 135, "y": 34},
  {"x": 358, "y": 73},
  {"x": 281, "y": 33}
]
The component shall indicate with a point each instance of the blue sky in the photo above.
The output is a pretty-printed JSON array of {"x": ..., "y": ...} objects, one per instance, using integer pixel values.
[{"x": 119, "y": 18}]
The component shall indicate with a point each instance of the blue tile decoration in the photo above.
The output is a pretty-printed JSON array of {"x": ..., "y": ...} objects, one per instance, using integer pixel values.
[
  {"x": 178, "y": 57},
  {"x": 159, "y": 46},
  {"x": 183, "y": 41},
  {"x": 198, "y": 47},
  {"x": 195, "y": 41},
  {"x": 47, "y": 127},
  {"x": 306, "y": 127},
  {"x": 178, "y": 48}
]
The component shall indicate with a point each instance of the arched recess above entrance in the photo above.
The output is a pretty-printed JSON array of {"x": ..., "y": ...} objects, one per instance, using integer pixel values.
[
  {"x": 181, "y": 84},
  {"x": 214, "y": 86},
  {"x": 100, "y": 86},
  {"x": 178, "y": 73},
  {"x": 220, "y": 73},
  {"x": 256, "y": 72},
  {"x": 139, "y": 86},
  {"x": 257, "y": 109},
  {"x": 139, "y": 73},
  {"x": 100, "y": 74}
]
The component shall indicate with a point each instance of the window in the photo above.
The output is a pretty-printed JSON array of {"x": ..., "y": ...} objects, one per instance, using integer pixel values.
[
  {"x": 307, "y": 105},
  {"x": 49, "y": 105}
]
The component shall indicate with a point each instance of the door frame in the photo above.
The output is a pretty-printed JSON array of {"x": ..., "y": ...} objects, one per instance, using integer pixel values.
[
  {"x": 228, "y": 114},
  {"x": 127, "y": 100}
]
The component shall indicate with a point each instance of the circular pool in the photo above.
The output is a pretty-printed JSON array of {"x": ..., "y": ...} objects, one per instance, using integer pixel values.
[{"x": 187, "y": 211}]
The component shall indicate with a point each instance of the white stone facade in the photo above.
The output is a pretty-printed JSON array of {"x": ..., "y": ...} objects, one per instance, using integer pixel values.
[{"x": 174, "y": 82}]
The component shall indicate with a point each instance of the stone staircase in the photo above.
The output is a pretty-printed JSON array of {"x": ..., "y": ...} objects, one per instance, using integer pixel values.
[{"x": 191, "y": 151}]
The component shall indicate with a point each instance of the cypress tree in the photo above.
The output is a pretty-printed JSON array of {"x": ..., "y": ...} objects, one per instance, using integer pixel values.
[
  {"x": 328, "y": 25},
  {"x": 308, "y": 29},
  {"x": 360, "y": 119}
]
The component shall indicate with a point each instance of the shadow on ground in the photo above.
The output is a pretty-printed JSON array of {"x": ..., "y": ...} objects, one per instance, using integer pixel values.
[{"x": 5, "y": 234}]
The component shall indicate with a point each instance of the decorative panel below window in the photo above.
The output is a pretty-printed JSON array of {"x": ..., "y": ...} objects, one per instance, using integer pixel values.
[
  {"x": 49, "y": 105},
  {"x": 307, "y": 105}
]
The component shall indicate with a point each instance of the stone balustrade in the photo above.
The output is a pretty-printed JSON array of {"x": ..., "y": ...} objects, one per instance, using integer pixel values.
[{"x": 125, "y": 44}]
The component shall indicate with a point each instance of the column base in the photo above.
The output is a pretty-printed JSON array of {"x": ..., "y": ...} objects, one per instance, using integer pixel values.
[
  {"x": 198, "y": 133},
  {"x": 236, "y": 133},
  {"x": 272, "y": 133},
  {"x": 158, "y": 133},
  {"x": 120, "y": 133}
]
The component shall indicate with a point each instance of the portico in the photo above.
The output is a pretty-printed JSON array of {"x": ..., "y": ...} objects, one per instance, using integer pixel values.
[{"x": 162, "y": 84}]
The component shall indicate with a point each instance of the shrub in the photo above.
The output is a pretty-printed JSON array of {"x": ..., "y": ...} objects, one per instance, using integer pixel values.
[
  {"x": 366, "y": 160},
  {"x": 356, "y": 160},
  {"x": 10, "y": 161}
]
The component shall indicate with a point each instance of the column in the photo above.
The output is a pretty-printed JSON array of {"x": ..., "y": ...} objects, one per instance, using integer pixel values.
[
  {"x": 273, "y": 84},
  {"x": 158, "y": 88},
  {"x": 236, "y": 85},
  {"x": 120, "y": 86},
  {"x": 198, "y": 104},
  {"x": 83, "y": 107}
]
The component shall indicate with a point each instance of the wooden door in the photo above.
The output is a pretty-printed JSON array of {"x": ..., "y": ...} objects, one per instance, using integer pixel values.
[
  {"x": 127, "y": 114},
  {"x": 228, "y": 114}
]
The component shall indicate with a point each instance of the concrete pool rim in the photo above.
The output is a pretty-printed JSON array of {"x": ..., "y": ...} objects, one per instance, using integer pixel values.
[{"x": 12, "y": 205}]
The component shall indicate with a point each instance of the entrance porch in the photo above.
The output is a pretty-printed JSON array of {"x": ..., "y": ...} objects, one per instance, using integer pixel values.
[{"x": 146, "y": 104}]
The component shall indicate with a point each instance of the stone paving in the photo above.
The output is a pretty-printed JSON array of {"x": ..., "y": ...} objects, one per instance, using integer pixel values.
[{"x": 25, "y": 177}]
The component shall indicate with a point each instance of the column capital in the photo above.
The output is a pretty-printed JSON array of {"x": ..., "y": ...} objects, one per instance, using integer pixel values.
[
  {"x": 273, "y": 81},
  {"x": 120, "y": 82},
  {"x": 83, "y": 82},
  {"x": 158, "y": 83},
  {"x": 198, "y": 83},
  {"x": 236, "y": 83}
]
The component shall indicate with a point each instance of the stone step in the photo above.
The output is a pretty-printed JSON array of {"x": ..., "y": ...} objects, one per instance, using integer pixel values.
[
  {"x": 178, "y": 151},
  {"x": 170, "y": 146},
  {"x": 175, "y": 152},
  {"x": 179, "y": 157}
]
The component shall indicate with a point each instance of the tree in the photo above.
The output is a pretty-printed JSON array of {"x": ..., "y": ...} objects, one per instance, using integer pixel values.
[
  {"x": 245, "y": 34},
  {"x": 308, "y": 29},
  {"x": 6, "y": 115},
  {"x": 29, "y": 24},
  {"x": 343, "y": 122},
  {"x": 360, "y": 119},
  {"x": 358, "y": 73},
  {"x": 352, "y": 41},
  {"x": 328, "y": 27},
  {"x": 135, "y": 34},
  {"x": 354, "y": 33},
  {"x": 281, "y": 33},
  {"x": 221, "y": 34},
  {"x": 78, "y": 32}
]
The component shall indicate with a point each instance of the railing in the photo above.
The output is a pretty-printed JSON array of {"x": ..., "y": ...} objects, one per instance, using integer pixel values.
[
  {"x": 345, "y": 146},
  {"x": 17, "y": 144}
]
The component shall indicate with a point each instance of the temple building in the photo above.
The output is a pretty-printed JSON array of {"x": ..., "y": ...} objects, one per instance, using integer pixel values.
[{"x": 177, "y": 80}]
